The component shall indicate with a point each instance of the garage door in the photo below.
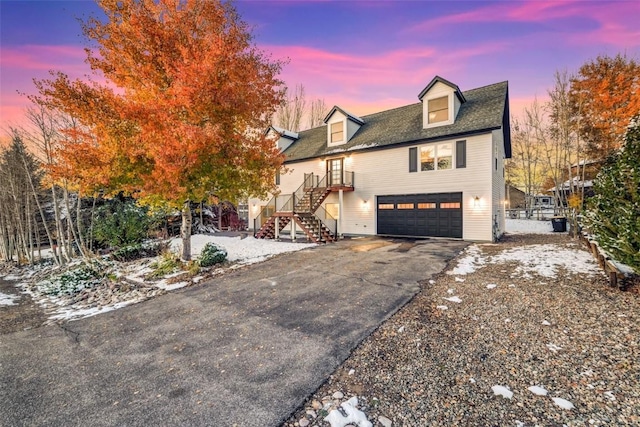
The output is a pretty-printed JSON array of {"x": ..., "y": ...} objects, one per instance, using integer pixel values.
[{"x": 429, "y": 215}]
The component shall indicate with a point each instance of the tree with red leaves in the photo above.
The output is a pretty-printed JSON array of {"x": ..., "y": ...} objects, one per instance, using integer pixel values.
[
  {"x": 182, "y": 113},
  {"x": 604, "y": 96}
]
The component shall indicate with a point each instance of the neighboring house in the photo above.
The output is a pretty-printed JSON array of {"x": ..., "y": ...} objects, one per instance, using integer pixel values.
[
  {"x": 430, "y": 169},
  {"x": 583, "y": 173}
]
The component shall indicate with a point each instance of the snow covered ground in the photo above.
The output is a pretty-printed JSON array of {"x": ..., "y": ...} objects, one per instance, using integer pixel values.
[
  {"x": 240, "y": 251},
  {"x": 544, "y": 260},
  {"x": 6, "y": 299},
  {"x": 243, "y": 251},
  {"x": 528, "y": 226}
]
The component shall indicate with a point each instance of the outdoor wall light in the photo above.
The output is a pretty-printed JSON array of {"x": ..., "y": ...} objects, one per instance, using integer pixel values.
[{"x": 476, "y": 202}]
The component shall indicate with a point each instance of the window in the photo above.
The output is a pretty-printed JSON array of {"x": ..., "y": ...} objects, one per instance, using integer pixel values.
[
  {"x": 427, "y": 158},
  {"x": 450, "y": 205},
  {"x": 385, "y": 206},
  {"x": 277, "y": 178},
  {"x": 333, "y": 210},
  {"x": 445, "y": 156},
  {"x": 405, "y": 205},
  {"x": 438, "y": 110},
  {"x": 426, "y": 205},
  {"x": 434, "y": 157},
  {"x": 337, "y": 132}
]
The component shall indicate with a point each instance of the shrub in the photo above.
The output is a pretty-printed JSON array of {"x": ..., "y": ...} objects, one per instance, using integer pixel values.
[
  {"x": 169, "y": 263},
  {"x": 140, "y": 250},
  {"x": 121, "y": 223},
  {"x": 612, "y": 214},
  {"x": 85, "y": 276},
  {"x": 211, "y": 255}
]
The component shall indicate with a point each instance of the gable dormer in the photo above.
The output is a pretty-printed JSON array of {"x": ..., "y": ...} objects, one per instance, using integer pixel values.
[
  {"x": 441, "y": 102},
  {"x": 284, "y": 138},
  {"x": 341, "y": 126}
]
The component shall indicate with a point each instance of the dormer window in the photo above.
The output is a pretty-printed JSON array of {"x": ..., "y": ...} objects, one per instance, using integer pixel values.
[
  {"x": 441, "y": 101},
  {"x": 341, "y": 126},
  {"x": 337, "y": 132},
  {"x": 438, "y": 109}
]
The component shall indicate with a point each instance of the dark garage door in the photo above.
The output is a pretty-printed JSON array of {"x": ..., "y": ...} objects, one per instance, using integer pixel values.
[{"x": 431, "y": 215}]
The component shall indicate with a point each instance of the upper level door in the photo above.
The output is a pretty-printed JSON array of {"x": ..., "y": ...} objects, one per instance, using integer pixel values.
[{"x": 334, "y": 172}]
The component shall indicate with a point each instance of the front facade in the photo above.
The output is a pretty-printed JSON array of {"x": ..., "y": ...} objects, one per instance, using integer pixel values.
[{"x": 431, "y": 169}]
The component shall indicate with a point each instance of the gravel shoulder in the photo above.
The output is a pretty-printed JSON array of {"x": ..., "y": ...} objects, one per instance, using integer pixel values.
[{"x": 570, "y": 334}]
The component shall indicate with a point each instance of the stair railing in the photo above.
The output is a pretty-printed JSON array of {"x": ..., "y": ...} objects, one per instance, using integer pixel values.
[
  {"x": 264, "y": 215},
  {"x": 291, "y": 204},
  {"x": 329, "y": 221}
]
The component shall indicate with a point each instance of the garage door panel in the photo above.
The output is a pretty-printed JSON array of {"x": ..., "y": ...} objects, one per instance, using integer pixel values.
[{"x": 429, "y": 215}]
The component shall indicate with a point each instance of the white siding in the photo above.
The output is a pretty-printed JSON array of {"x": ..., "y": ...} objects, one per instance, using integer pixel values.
[
  {"x": 386, "y": 172},
  {"x": 352, "y": 128}
]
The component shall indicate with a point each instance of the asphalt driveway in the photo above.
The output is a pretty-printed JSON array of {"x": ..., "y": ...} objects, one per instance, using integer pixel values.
[{"x": 245, "y": 349}]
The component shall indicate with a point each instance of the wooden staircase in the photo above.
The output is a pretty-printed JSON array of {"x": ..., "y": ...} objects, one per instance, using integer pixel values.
[
  {"x": 313, "y": 227},
  {"x": 303, "y": 213}
]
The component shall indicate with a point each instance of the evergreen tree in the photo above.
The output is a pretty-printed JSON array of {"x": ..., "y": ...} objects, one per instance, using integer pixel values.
[{"x": 613, "y": 216}]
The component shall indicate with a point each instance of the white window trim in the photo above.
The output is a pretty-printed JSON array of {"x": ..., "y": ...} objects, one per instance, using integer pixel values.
[
  {"x": 344, "y": 133},
  {"x": 451, "y": 107}
]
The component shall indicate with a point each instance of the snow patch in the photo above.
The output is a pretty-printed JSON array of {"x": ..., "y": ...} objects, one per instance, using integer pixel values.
[
  {"x": 244, "y": 251},
  {"x": 537, "y": 390},
  {"x": 545, "y": 323},
  {"x": 528, "y": 226},
  {"x": 503, "y": 391},
  {"x": 554, "y": 348},
  {"x": 350, "y": 414},
  {"x": 454, "y": 299},
  {"x": 545, "y": 260},
  {"x": 6, "y": 299},
  {"x": 491, "y": 286},
  {"x": 442, "y": 307},
  {"x": 170, "y": 287},
  {"x": 564, "y": 404},
  {"x": 74, "y": 314},
  {"x": 470, "y": 262}
]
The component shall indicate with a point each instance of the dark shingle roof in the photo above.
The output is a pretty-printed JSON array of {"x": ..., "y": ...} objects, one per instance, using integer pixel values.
[{"x": 486, "y": 109}]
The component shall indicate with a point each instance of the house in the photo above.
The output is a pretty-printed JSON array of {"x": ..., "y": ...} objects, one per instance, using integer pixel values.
[
  {"x": 583, "y": 173},
  {"x": 429, "y": 169}
]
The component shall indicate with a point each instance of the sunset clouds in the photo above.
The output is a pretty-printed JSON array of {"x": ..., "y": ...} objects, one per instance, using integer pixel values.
[{"x": 363, "y": 56}]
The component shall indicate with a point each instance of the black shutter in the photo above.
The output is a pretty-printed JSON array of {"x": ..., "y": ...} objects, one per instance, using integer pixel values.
[
  {"x": 461, "y": 154},
  {"x": 413, "y": 159}
]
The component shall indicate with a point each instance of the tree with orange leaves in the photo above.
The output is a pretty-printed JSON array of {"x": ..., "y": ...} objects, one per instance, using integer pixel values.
[
  {"x": 182, "y": 113},
  {"x": 604, "y": 96}
]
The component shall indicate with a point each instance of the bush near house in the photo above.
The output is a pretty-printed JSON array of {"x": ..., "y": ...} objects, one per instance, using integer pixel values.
[
  {"x": 613, "y": 214},
  {"x": 212, "y": 255}
]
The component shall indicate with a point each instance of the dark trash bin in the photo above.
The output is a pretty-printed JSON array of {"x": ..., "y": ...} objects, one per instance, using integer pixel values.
[{"x": 559, "y": 223}]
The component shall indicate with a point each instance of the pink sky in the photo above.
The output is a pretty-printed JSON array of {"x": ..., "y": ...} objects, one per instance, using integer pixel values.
[{"x": 374, "y": 56}]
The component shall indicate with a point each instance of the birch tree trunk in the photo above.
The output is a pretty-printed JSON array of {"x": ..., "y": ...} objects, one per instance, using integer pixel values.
[{"x": 185, "y": 231}]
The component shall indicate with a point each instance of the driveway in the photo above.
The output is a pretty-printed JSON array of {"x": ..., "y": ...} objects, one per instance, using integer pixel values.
[{"x": 245, "y": 349}]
